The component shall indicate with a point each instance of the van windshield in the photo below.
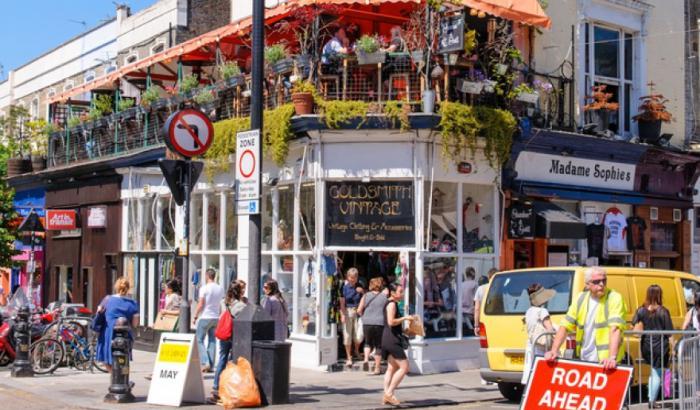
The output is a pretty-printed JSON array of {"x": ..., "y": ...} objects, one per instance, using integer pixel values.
[{"x": 508, "y": 292}]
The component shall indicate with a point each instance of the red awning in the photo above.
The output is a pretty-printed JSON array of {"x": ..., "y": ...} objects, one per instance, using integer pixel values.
[{"x": 523, "y": 11}]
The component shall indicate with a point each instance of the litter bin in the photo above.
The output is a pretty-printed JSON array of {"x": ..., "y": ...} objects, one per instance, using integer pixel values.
[{"x": 271, "y": 363}]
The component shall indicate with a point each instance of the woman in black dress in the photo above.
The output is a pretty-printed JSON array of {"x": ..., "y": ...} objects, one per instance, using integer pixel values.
[
  {"x": 394, "y": 343},
  {"x": 655, "y": 348}
]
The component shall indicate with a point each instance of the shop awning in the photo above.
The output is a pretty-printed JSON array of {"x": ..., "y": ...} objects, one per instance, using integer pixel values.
[
  {"x": 523, "y": 11},
  {"x": 556, "y": 223}
]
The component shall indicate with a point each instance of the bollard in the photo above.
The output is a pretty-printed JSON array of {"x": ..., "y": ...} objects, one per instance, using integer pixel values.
[
  {"x": 120, "y": 389},
  {"x": 22, "y": 366}
]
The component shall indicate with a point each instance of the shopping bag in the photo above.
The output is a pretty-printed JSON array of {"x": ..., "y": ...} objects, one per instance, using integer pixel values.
[
  {"x": 166, "y": 323},
  {"x": 668, "y": 379},
  {"x": 237, "y": 386},
  {"x": 415, "y": 327}
]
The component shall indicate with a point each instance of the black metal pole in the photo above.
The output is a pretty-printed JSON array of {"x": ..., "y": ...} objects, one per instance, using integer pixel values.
[
  {"x": 256, "y": 123},
  {"x": 184, "y": 323}
]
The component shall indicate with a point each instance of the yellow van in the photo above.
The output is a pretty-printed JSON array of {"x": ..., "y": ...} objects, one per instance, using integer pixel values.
[{"x": 502, "y": 331}]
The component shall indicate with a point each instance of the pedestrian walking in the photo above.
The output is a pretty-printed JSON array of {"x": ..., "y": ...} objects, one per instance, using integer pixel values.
[
  {"x": 469, "y": 287},
  {"x": 479, "y": 299},
  {"x": 275, "y": 305},
  {"x": 692, "y": 317},
  {"x": 118, "y": 308},
  {"x": 652, "y": 315},
  {"x": 349, "y": 302},
  {"x": 205, "y": 317},
  {"x": 537, "y": 323},
  {"x": 371, "y": 310},
  {"x": 234, "y": 304},
  {"x": 394, "y": 345},
  {"x": 598, "y": 318}
]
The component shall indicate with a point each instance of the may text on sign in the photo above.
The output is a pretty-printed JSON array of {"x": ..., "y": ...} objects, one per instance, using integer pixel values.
[
  {"x": 370, "y": 214},
  {"x": 176, "y": 374},
  {"x": 248, "y": 172},
  {"x": 569, "y": 384}
]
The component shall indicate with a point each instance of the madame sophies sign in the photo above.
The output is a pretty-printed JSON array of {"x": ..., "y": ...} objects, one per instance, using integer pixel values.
[{"x": 559, "y": 169}]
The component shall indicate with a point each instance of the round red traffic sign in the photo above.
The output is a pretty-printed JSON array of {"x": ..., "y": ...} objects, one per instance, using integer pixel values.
[
  {"x": 189, "y": 132},
  {"x": 246, "y": 163}
]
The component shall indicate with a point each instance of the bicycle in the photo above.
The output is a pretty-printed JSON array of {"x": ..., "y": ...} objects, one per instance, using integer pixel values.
[{"x": 69, "y": 345}]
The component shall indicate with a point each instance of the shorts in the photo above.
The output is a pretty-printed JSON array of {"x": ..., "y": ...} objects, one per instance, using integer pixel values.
[
  {"x": 373, "y": 336},
  {"x": 352, "y": 328}
]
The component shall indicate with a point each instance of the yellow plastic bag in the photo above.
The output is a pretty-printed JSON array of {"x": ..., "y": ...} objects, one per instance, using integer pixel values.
[{"x": 237, "y": 386}]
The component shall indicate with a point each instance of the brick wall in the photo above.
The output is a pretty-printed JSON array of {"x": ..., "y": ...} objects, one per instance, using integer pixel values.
[{"x": 204, "y": 16}]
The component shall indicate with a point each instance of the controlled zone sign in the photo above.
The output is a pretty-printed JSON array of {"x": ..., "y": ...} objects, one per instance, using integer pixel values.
[
  {"x": 189, "y": 132},
  {"x": 570, "y": 384},
  {"x": 177, "y": 377},
  {"x": 248, "y": 172}
]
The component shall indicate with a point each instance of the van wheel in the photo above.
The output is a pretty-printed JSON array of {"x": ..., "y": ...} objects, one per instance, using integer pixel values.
[{"x": 511, "y": 391}]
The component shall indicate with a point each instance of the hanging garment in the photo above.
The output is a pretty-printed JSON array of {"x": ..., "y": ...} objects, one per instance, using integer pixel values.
[
  {"x": 616, "y": 223},
  {"x": 635, "y": 237},
  {"x": 595, "y": 236}
]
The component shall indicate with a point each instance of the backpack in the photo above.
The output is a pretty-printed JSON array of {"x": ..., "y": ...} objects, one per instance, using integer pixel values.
[{"x": 224, "y": 328}]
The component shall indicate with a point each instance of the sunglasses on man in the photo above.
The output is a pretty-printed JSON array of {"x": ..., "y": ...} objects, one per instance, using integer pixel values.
[{"x": 603, "y": 281}]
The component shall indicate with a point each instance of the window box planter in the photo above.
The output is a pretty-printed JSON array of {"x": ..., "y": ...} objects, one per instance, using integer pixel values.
[
  {"x": 530, "y": 98},
  {"x": 283, "y": 66},
  {"x": 649, "y": 131},
  {"x": 38, "y": 163},
  {"x": 235, "y": 81},
  {"x": 159, "y": 104},
  {"x": 370, "y": 58},
  {"x": 128, "y": 114}
]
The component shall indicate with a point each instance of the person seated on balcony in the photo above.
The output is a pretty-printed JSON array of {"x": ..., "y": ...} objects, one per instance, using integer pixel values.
[
  {"x": 397, "y": 44},
  {"x": 337, "y": 45}
]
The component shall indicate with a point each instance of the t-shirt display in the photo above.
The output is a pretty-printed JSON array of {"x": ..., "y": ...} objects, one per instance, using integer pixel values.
[
  {"x": 596, "y": 237},
  {"x": 635, "y": 237},
  {"x": 616, "y": 223}
]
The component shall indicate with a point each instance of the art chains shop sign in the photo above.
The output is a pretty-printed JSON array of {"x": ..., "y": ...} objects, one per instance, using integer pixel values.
[
  {"x": 558, "y": 169},
  {"x": 372, "y": 214}
]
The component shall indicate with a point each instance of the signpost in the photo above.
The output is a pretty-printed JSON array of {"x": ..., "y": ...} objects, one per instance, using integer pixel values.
[
  {"x": 248, "y": 172},
  {"x": 189, "y": 133},
  {"x": 176, "y": 374},
  {"x": 451, "y": 37},
  {"x": 570, "y": 384}
]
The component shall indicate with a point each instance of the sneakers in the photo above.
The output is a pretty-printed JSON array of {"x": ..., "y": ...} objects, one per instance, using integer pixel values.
[{"x": 206, "y": 369}]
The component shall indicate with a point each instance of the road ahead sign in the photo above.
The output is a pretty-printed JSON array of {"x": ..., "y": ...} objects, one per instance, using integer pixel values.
[
  {"x": 248, "y": 172},
  {"x": 569, "y": 384},
  {"x": 189, "y": 132}
]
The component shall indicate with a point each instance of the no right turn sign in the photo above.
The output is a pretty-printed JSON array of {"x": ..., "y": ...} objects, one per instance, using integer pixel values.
[{"x": 248, "y": 172}]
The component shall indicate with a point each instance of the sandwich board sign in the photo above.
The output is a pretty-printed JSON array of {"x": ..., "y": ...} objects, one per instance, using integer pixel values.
[
  {"x": 572, "y": 384},
  {"x": 177, "y": 377}
]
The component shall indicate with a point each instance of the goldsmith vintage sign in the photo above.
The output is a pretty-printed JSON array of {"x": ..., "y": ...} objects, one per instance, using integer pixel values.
[{"x": 369, "y": 214}]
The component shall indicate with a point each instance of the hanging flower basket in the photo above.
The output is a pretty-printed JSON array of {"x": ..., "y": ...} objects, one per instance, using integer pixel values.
[
  {"x": 471, "y": 87},
  {"x": 283, "y": 66},
  {"x": 371, "y": 58}
]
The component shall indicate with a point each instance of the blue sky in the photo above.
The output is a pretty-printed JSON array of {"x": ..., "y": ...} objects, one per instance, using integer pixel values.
[{"x": 29, "y": 28}]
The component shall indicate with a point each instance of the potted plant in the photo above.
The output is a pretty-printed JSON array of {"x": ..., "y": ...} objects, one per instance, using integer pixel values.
[
  {"x": 205, "y": 99},
  {"x": 150, "y": 96},
  {"x": 187, "y": 84},
  {"x": 526, "y": 94},
  {"x": 102, "y": 106},
  {"x": 601, "y": 106},
  {"x": 368, "y": 51},
  {"x": 38, "y": 132},
  {"x": 73, "y": 122},
  {"x": 277, "y": 58},
  {"x": 231, "y": 73},
  {"x": 126, "y": 108},
  {"x": 652, "y": 112},
  {"x": 303, "y": 97}
]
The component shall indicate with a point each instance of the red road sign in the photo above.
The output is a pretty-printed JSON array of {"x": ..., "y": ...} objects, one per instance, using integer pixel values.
[
  {"x": 189, "y": 132},
  {"x": 569, "y": 384}
]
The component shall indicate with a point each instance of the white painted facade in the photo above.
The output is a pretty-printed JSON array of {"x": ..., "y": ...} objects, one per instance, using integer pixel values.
[{"x": 656, "y": 28}]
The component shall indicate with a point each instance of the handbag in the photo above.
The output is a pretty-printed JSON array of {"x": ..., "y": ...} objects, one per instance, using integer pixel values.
[
  {"x": 403, "y": 341},
  {"x": 224, "y": 328},
  {"x": 99, "y": 320},
  {"x": 668, "y": 379}
]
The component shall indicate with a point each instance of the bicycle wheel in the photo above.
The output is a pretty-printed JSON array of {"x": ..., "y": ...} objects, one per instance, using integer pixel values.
[{"x": 46, "y": 355}]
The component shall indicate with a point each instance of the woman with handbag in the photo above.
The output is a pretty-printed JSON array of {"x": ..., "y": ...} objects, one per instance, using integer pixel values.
[
  {"x": 394, "y": 345},
  {"x": 114, "y": 309},
  {"x": 233, "y": 305},
  {"x": 537, "y": 323},
  {"x": 655, "y": 348},
  {"x": 371, "y": 310}
]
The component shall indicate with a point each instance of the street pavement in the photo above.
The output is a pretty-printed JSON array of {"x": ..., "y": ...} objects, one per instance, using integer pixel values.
[{"x": 71, "y": 389}]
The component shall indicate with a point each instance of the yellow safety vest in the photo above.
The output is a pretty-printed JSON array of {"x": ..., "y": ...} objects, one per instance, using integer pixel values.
[{"x": 611, "y": 313}]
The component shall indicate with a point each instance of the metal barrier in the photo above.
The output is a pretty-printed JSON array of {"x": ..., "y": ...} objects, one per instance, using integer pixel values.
[{"x": 689, "y": 373}]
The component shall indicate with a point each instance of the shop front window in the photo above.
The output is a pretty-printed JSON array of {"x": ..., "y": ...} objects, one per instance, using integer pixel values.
[
  {"x": 307, "y": 228},
  {"x": 477, "y": 218},
  {"x": 213, "y": 218},
  {"x": 441, "y": 208},
  {"x": 167, "y": 223},
  {"x": 230, "y": 270},
  {"x": 440, "y": 297},
  {"x": 306, "y": 284},
  {"x": 266, "y": 220},
  {"x": 196, "y": 227},
  {"x": 474, "y": 274},
  {"x": 132, "y": 233},
  {"x": 231, "y": 223},
  {"x": 149, "y": 224},
  {"x": 285, "y": 223}
]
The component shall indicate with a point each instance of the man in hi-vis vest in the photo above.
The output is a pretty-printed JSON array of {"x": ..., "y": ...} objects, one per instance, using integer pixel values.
[{"x": 598, "y": 318}]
